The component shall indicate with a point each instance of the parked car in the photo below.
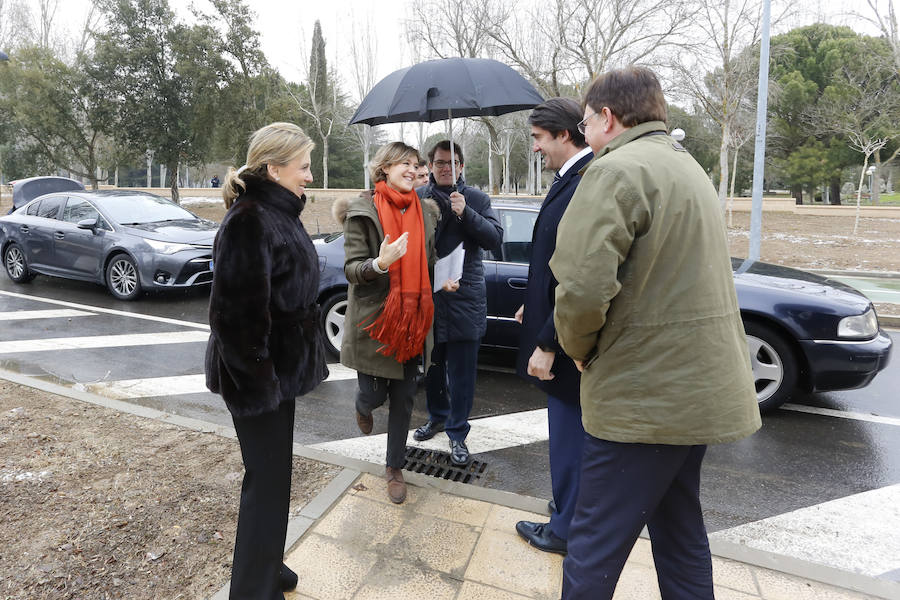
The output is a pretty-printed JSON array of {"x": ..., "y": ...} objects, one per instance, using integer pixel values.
[
  {"x": 804, "y": 332},
  {"x": 24, "y": 190},
  {"x": 129, "y": 241}
]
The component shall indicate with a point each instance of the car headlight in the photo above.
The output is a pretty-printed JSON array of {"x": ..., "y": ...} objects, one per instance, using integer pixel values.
[
  {"x": 167, "y": 247},
  {"x": 859, "y": 326}
]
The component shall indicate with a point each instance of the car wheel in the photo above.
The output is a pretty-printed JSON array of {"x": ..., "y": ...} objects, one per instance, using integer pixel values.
[
  {"x": 774, "y": 365},
  {"x": 333, "y": 312},
  {"x": 16, "y": 265},
  {"x": 122, "y": 277}
]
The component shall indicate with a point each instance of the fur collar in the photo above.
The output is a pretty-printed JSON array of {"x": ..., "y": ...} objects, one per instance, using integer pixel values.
[{"x": 363, "y": 204}]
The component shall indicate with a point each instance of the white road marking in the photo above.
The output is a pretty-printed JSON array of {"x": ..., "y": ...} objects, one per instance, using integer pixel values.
[
  {"x": 109, "y": 311},
  {"x": 102, "y": 341},
  {"x": 842, "y": 533},
  {"x": 17, "y": 315},
  {"x": 125, "y": 389},
  {"x": 487, "y": 434},
  {"x": 880, "y": 291},
  {"x": 842, "y": 414}
]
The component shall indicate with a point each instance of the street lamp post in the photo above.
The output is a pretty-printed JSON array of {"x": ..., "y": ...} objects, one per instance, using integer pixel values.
[{"x": 4, "y": 57}]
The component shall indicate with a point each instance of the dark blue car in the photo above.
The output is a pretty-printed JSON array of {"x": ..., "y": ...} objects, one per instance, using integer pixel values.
[{"x": 805, "y": 332}]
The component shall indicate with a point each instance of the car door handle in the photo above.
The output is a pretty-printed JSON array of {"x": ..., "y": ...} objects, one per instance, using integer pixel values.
[
  {"x": 24, "y": 229},
  {"x": 517, "y": 283},
  {"x": 59, "y": 235}
]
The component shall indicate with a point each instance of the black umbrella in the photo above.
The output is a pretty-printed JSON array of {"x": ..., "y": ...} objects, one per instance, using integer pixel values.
[{"x": 441, "y": 89}]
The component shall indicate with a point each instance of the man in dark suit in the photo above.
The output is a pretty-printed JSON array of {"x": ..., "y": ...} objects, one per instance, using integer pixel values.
[{"x": 554, "y": 130}]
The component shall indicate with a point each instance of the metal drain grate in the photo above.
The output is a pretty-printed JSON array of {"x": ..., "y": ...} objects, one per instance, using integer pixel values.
[{"x": 437, "y": 464}]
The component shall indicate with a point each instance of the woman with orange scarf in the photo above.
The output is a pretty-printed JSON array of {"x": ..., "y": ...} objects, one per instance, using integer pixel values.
[{"x": 389, "y": 258}]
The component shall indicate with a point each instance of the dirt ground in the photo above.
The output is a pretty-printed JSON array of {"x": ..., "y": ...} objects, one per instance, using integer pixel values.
[
  {"x": 802, "y": 241},
  {"x": 96, "y": 504}
]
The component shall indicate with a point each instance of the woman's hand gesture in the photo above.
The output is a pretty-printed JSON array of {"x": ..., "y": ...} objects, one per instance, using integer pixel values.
[{"x": 390, "y": 252}]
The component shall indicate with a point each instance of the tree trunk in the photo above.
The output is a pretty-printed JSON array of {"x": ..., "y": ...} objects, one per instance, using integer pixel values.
[
  {"x": 723, "y": 165},
  {"x": 116, "y": 176},
  {"x": 529, "y": 188},
  {"x": 493, "y": 167},
  {"x": 149, "y": 169},
  {"x": 325, "y": 162},
  {"x": 366, "y": 144},
  {"x": 797, "y": 193},
  {"x": 862, "y": 176},
  {"x": 875, "y": 192},
  {"x": 835, "y": 192},
  {"x": 731, "y": 195},
  {"x": 173, "y": 168}
]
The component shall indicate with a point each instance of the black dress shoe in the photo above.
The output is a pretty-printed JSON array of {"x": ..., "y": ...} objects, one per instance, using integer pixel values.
[
  {"x": 428, "y": 430},
  {"x": 287, "y": 578},
  {"x": 459, "y": 453},
  {"x": 540, "y": 536}
]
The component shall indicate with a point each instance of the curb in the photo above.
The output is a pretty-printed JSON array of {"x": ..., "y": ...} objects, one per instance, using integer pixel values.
[
  {"x": 849, "y": 273},
  {"x": 320, "y": 504}
]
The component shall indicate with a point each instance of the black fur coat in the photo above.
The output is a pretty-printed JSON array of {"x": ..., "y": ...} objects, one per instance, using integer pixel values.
[{"x": 265, "y": 345}]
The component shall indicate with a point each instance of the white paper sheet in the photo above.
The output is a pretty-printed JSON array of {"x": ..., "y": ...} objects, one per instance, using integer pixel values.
[{"x": 450, "y": 267}]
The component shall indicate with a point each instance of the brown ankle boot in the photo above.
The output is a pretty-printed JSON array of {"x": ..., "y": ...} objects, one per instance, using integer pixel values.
[{"x": 396, "y": 487}]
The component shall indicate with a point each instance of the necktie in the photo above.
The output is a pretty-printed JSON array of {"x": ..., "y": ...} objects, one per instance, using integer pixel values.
[{"x": 556, "y": 178}]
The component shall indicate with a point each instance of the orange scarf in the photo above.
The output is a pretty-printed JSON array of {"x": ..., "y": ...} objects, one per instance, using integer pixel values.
[{"x": 405, "y": 318}]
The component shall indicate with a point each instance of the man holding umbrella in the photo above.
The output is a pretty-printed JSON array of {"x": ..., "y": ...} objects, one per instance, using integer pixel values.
[{"x": 460, "y": 318}]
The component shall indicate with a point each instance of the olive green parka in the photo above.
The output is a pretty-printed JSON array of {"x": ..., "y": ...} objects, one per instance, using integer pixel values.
[
  {"x": 646, "y": 299},
  {"x": 368, "y": 289}
]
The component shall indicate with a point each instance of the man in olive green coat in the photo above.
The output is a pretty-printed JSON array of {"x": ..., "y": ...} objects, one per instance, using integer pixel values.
[{"x": 646, "y": 307}]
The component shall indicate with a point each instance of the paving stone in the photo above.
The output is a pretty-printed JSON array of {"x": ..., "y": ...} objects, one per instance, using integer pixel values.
[
  {"x": 392, "y": 579},
  {"x": 435, "y": 544},
  {"x": 779, "y": 586},
  {"x": 453, "y": 508},
  {"x": 734, "y": 575},
  {"x": 329, "y": 569},
  {"x": 642, "y": 553},
  {"x": 506, "y": 561},
  {"x": 362, "y": 522},
  {"x": 637, "y": 582},
  {"x": 477, "y": 591},
  {"x": 375, "y": 488},
  {"x": 505, "y": 519}
]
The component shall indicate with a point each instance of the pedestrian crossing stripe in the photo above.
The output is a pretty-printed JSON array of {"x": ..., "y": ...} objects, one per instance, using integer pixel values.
[
  {"x": 125, "y": 389},
  {"x": 21, "y": 315},
  {"x": 102, "y": 341}
]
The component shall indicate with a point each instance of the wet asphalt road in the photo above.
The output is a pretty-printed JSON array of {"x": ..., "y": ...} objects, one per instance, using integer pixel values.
[{"x": 796, "y": 460}]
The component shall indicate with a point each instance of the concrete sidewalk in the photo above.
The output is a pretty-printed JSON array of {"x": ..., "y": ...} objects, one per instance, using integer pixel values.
[{"x": 351, "y": 542}]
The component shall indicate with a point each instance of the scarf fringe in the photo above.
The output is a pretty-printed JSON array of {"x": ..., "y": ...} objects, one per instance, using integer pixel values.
[{"x": 403, "y": 324}]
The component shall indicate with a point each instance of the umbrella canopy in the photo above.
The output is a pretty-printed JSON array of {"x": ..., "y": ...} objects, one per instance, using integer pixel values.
[{"x": 441, "y": 89}]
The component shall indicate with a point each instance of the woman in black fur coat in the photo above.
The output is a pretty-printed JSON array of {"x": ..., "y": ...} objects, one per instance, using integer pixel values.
[{"x": 265, "y": 347}]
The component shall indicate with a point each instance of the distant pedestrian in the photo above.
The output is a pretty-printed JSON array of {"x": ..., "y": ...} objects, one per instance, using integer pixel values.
[
  {"x": 421, "y": 174},
  {"x": 214, "y": 181},
  {"x": 554, "y": 133},
  {"x": 647, "y": 308},
  {"x": 265, "y": 346},
  {"x": 388, "y": 258},
  {"x": 460, "y": 318}
]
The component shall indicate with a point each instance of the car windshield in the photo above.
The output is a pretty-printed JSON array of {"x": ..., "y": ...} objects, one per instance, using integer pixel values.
[{"x": 138, "y": 209}]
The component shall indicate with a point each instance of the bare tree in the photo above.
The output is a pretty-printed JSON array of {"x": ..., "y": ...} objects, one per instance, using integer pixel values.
[
  {"x": 862, "y": 105},
  {"x": 461, "y": 28},
  {"x": 602, "y": 34},
  {"x": 363, "y": 52},
  {"x": 885, "y": 18},
  {"x": 730, "y": 29}
]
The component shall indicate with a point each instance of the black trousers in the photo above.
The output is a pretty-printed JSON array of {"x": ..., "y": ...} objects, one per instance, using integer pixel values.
[
  {"x": 374, "y": 391},
  {"x": 266, "y": 448},
  {"x": 624, "y": 487}
]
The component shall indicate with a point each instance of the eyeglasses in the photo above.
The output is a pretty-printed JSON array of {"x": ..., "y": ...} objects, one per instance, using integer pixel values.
[
  {"x": 443, "y": 164},
  {"x": 582, "y": 124}
]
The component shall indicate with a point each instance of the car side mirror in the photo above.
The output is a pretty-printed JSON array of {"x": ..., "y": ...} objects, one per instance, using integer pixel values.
[{"x": 88, "y": 224}]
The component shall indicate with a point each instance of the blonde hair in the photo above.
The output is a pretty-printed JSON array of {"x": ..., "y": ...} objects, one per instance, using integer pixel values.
[
  {"x": 274, "y": 144},
  {"x": 389, "y": 155}
]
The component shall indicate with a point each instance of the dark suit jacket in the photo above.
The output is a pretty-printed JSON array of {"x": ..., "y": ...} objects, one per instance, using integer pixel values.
[{"x": 537, "y": 326}]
